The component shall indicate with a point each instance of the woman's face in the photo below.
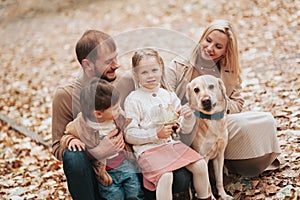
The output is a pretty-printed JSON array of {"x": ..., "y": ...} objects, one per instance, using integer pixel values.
[{"x": 214, "y": 45}]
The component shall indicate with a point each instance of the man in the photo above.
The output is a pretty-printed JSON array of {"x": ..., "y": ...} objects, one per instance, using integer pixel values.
[{"x": 97, "y": 53}]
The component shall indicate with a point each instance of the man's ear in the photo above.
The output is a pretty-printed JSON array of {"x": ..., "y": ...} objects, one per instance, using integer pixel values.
[{"x": 87, "y": 65}]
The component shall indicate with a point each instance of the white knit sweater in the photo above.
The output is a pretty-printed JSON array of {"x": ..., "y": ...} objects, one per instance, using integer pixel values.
[{"x": 140, "y": 106}]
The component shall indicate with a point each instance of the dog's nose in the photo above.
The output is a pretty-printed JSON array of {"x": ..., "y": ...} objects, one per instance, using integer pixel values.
[{"x": 206, "y": 103}]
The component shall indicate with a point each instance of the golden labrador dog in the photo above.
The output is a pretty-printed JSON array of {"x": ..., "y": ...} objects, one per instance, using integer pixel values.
[{"x": 206, "y": 96}]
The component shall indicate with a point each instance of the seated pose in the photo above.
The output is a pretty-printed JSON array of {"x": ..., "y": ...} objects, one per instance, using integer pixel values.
[
  {"x": 100, "y": 115},
  {"x": 97, "y": 55},
  {"x": 252, "y": 145},
  {"x": 154, "y": 112}
]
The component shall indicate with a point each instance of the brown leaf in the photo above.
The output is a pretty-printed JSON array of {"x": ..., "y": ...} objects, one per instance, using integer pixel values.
[
  {"x": 271, "y": 189},
  {"x": 16, "y": 163}
]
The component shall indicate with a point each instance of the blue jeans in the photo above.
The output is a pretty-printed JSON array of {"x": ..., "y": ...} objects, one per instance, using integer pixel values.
[
  {"x": 80, "y": 176},
  {"x": 126, "y": 184},
  {"x": 83, "y": 185}
]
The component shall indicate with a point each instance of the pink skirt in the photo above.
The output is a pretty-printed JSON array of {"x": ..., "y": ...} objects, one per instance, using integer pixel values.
[{"x": 167, "y": 158}]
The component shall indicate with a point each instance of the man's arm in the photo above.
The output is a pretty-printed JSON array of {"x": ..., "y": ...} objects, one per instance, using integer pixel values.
[{"x": 61, "y": 115}]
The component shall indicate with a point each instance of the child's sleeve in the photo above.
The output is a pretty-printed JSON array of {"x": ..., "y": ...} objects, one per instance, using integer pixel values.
[
  {"x": 186, "y": 124},
  {"x": 134, "y": 133}
]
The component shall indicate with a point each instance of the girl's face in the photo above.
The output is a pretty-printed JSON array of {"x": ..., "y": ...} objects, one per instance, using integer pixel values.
[
  {"x": 148, "y": 73},
  {"x": 213, "y": 47}
]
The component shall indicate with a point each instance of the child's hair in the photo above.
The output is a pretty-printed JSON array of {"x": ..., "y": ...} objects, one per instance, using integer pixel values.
[
  {"x": 98, "y": 94},
  {"x": 149, "y": 52}
]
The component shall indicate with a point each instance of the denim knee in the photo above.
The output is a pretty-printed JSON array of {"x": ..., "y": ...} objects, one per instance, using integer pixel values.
[
  {"x": 112, "y": 191},
  {"x": 76, "y": 161},
  {"x": 80, "y": 176}
]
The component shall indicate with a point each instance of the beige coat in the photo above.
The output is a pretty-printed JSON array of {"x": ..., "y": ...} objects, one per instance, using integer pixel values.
[
  {"x": 181, "y": 72},
  {"x": 252, "y": 143},
  {"x": 66, "y": 106},
  {"x": 79, "y": 129}
]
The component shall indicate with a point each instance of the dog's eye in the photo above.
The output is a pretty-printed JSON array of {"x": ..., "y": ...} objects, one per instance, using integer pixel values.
[
  {"x": 211, "y": 87},
  {"x": 196, "y": 90}
]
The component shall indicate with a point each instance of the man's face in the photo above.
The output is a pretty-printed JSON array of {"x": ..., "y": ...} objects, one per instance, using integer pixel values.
[{"x": 106, "y": 64}]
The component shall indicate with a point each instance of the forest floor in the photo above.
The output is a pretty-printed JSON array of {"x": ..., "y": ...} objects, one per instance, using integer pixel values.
[{"x": 37, "y": 55}]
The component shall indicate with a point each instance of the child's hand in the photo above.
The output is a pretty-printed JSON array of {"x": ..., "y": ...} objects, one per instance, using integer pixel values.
[
  {"x": 108, "y": 146},
  {"x": 75, "y": 144},
  {"x": 186, "y": 111},
  {"x": 115, "y": 138},
  {"x": 165, "y": 132}
]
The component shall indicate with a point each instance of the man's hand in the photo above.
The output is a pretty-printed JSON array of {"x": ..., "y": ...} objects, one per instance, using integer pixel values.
[{"x": 75, "y": 144}]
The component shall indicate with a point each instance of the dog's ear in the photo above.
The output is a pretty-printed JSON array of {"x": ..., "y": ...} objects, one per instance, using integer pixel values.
[
  {"x": 222, "y": 87},
  {"x": 223, "y": 90},
  {"x": 188, "y": 93}
]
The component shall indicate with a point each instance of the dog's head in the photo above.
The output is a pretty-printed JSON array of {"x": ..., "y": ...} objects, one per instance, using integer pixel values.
[{"x": 206, "y": 94}]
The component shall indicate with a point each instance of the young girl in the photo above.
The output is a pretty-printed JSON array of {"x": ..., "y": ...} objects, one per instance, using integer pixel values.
[{"x": 157, "y": 152}]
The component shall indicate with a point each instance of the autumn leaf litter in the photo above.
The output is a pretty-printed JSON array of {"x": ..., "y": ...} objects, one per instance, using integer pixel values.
[{"x": 37, "y": 55}]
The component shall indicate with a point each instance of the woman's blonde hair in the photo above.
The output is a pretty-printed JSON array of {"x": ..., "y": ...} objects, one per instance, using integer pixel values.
[
  {"x": 149, "y": 52},
  {"x": 230, "y": 60}
]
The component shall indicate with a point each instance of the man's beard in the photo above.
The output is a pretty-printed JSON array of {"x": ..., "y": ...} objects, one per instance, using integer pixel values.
[
  {"x": 103, "y": 76},
  {"x": 108, "y": 79}
]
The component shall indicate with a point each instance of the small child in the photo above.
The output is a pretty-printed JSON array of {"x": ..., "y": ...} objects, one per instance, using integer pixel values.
[
  {"x": 101, "y": 115},
  {"x": 155, "y": 111}
]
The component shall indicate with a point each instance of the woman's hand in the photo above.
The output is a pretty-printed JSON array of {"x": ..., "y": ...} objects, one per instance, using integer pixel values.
[
  {"x": 75, "y": 144},
  {"x": 165, "y": 132}
]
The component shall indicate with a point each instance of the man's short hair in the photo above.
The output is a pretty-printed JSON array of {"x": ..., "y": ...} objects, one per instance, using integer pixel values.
[
  {"x": 98, "y": 94},
  {"x": 86, "y": 47}
]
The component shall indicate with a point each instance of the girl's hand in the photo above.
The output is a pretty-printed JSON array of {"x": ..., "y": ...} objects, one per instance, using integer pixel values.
[
  {"x": 75, "y": 144},
  {"x": 186, "y": 111},
  {"x": 165, "y": 132}
]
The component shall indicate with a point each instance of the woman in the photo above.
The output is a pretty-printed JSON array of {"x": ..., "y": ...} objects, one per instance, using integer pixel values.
[{"x": 253, "y": 145}]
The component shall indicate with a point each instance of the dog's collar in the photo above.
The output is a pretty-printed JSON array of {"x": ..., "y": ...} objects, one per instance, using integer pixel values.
[{"x": 215, "y": 116}]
